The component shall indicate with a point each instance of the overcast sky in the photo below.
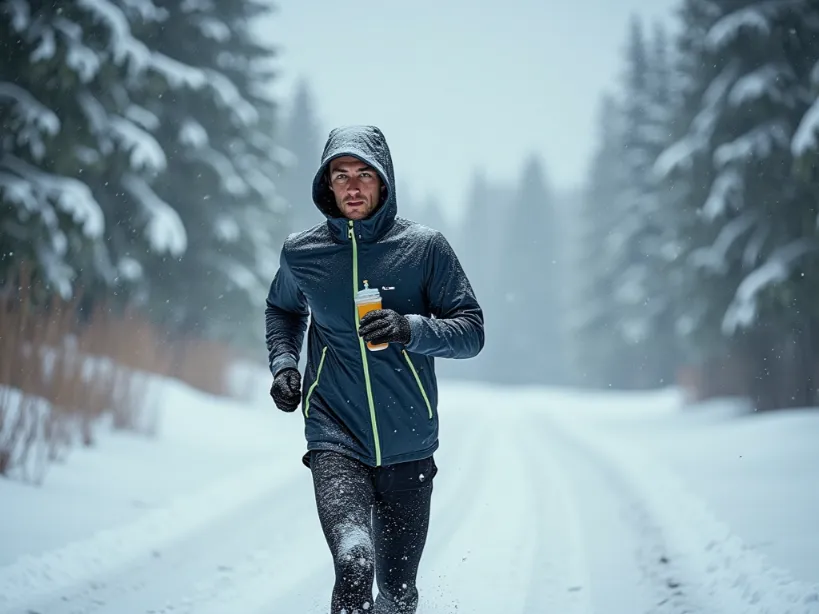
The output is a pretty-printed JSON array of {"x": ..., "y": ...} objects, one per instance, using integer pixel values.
[{"x": 454, "y": 86}]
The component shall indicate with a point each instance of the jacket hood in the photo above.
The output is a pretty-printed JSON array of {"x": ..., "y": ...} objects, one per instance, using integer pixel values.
[{"x": 367, "y": 143}]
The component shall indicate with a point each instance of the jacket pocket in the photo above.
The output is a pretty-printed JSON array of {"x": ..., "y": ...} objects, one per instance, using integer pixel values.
[
  {"x": 315, "y": 382},
  {"x": 418, "y": 381}
]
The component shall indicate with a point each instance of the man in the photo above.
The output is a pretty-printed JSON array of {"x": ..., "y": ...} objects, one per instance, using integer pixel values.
[{"x": 371, "y": 420}]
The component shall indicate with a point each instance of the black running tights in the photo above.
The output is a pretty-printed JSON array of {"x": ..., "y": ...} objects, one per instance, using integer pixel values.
[{"x": 375, "y": 521}]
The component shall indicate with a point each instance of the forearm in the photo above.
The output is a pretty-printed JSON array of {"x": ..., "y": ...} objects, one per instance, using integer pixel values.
[
  {"x": 459, "y": 336},
  {"x": 284, "y": 334},
  {"x": 286, "y": 315}
]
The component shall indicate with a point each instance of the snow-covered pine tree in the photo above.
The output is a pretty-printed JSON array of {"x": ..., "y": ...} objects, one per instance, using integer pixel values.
[
  {"x": 752, "y": 225},
  {"x": 658, "y": 232},
  {"x": 684, "y": 171},
  {"x": 70, "y": 129},
  {"x": 527, "y": 340},
  {"x": 805, "y": 142},
  {"x": 774, "y": 307},
  {"x": 803, "y": 45},
  {"x": 473, "y": 243},
  {"x": 639, "y": 234},
  {"x": 598, "y": 357},
  {"x": 631, "y": 202},
  {"x": 217, "y": 123},
  {"x": 477, "y": 234},
  {"x": 303, "y": 140},
  {"x": 623, "y": 321},
  {"x": 478, "y": 240}
]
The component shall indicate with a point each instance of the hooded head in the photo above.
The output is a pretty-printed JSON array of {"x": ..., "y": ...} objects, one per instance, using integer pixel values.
[{"x": 357, "y": 147}]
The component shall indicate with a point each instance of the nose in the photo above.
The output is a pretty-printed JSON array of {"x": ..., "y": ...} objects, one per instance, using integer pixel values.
[{"x": 353, "y": 185}]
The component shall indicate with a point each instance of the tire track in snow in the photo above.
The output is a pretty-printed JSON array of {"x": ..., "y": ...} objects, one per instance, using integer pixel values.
[
  {"x": 560, "y": 574},
  {"x": 461, "y": 539},
  {"x": 483, "y": 566},
  {"x": 713, "y": 570},
  {"x": 629, "y": 569}
]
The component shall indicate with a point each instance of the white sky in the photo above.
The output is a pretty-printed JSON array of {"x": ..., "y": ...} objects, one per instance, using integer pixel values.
[{"x": 453, "y": 86}]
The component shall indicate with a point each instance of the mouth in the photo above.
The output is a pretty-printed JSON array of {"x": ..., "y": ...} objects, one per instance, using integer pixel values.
[{"x": 355, "y": 203}]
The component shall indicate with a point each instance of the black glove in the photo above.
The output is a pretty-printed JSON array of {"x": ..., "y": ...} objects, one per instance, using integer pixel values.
[
  {"x": 286, "y": 389},
  {"x": 384, "y": 326}
]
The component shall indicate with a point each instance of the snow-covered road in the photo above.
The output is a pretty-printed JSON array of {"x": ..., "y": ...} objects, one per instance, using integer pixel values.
[{"x": 535, "y": 510}]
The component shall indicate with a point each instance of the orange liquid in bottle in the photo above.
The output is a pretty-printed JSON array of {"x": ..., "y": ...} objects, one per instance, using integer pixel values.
[{"x": 363, "y": 307}]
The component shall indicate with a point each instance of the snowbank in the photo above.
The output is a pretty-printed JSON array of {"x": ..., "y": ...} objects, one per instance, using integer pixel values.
[{"x": 127, "y": 496}]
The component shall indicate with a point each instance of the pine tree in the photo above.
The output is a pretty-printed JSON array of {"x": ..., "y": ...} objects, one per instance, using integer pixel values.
[
  {"x": 639, "y": 234},
  {"x": 683, "y": 170},
  {"x": 595, "y": 320},
  {"x": 71, "y": 133},
  {"x": 478, "y": 240},
  {"x": 625, "y": 317},
  {"x": 302, "y": 140},
  {"x": 526, "y": 325},
  {"x": 747, "y": 220},
  {"x": 217, "y": 120},
  {"x": 660, "y": 348}
]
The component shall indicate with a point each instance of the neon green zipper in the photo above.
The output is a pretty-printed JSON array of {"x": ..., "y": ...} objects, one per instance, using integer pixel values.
[
  {"x": 361, "y": 343},
  {"x": 315, "y": 383},
  {"x": 420, "y": 385}
]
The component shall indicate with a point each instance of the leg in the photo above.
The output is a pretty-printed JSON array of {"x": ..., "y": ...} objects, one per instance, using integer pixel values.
[
  {"x": 344, "y": 498},
  {"x": 400, "y": 523}
]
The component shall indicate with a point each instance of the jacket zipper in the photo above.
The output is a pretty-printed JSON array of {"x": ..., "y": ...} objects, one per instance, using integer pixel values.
[
  {"x": 418, "y": 381},
  {"x": 315, "y": 383},
  {"x": 363, "y": 347}
]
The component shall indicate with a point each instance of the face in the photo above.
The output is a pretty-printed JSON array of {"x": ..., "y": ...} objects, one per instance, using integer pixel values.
[{"x": 356, "y": 186}]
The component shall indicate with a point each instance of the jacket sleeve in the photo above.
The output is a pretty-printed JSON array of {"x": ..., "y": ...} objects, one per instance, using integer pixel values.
[
  {"x": 456, "y": 329},
  {"x": 286, "y": 317}
]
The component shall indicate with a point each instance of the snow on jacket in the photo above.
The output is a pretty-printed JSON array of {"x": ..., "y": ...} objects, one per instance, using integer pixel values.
[{"x": 379, "y": 407}]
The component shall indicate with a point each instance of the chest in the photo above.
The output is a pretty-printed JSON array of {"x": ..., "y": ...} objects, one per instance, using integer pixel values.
[{"x": 330, "y": 277}]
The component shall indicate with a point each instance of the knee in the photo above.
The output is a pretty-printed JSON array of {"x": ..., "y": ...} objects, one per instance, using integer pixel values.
[{"x": 355, "y": 555}]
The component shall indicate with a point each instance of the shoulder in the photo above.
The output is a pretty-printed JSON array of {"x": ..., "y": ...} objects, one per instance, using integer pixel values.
[
  {"x": 305, "y": 240},
  {"x": 419, "y": 234}
]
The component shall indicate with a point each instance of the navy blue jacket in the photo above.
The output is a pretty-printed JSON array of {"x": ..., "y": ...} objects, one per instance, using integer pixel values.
[{"x": 379, "y": 407}]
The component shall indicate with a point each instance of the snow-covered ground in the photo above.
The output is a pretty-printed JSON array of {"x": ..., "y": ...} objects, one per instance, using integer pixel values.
[{"x": 546, "y": 501}]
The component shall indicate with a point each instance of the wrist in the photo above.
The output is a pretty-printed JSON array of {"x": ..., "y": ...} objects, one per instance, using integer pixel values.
[
  {"x": 281, "y": 363},
  {"x": 413, "y": 329}
]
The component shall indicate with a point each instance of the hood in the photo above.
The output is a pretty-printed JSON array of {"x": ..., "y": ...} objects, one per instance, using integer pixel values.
[{"x": 367, "y": 143}]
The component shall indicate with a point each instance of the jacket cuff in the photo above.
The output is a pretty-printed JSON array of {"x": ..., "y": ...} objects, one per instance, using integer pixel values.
[
  {"x": 283, "y": 362},
  {"x": 416, "y": 323}
]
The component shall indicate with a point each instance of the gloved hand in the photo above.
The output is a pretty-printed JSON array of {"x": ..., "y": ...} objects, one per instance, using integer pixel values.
[
  {"x": 286, "y": 389},
  {"x": 384, "y": 326}
]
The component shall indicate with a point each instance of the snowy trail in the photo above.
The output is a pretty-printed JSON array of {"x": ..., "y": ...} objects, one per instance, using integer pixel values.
[
  {"x": 529, "y": 515},
  {"x": 625, "y": 559},
  {"x": 463, "y": 467},
  {"x": 153, "y": 581}
]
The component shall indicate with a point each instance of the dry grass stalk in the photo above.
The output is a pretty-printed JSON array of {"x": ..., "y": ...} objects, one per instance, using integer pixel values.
[{"x": 63, "y": 368}]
